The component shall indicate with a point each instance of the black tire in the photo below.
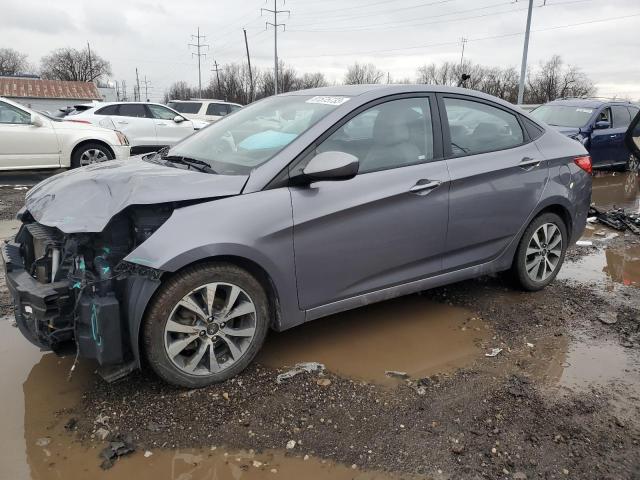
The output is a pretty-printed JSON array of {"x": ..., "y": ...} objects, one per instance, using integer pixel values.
[
  {"x": 171, "y": 293},
  {"x": 518, "y": 268},
  {"x": 76, "y": 157}
]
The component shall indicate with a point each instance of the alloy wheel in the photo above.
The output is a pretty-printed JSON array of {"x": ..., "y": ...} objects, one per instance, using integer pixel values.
[
  {"x": 210, "y": 328},
  {"x": 92, "y": 155},
  {"x": 543, "y": 252}
]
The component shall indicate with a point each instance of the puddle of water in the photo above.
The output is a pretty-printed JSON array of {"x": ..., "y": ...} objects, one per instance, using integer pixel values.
[
  {"x": 605, "y": 267},
  {"x": 36, "y": 445},
  {"x": 617, "y": 189},
  {"x": 409, "y": 334}
]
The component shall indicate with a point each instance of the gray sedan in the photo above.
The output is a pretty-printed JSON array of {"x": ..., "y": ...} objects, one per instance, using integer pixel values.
[{"x": 291, "y": 209}]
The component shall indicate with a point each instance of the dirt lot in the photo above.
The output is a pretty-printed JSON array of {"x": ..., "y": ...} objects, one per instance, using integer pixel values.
[{"x": 560, "y": 400}]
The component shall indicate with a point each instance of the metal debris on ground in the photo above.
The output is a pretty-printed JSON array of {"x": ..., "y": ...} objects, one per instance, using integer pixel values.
[
  {"x": 617, "y": 218},
  {"x": 119, "y": 447},
  {"x": 300, "y": 368},
  {"x": 584, "y": 243},
  {"x": 493, "y": 353}
]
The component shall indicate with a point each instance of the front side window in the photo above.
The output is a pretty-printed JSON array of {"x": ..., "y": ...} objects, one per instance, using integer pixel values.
[
  {"x": 478, "y": 128},
  {"x": 238, "y": 143},
  {"x": 621, "y": 118},
  {"x": 389, "y": 135},
  {"x": 185, "y": 107},
  {"x": 217, "y": 109},
  {"x": 132, "y": 110},
  {"x": 563, "y": 115},
  {"x": 161, "y": 113},
  {"x": 11, "y": 114}
]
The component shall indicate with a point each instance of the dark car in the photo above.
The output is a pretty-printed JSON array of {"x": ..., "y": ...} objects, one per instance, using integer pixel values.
[
  {"x": 599, "y": 125},
  {"x": 294, "y": 208}
]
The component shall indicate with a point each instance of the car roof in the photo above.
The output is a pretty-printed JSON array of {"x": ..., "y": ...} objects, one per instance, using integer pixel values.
[
  {"x": 210, "y": 100},
  {"x": 587, "y": 102}
]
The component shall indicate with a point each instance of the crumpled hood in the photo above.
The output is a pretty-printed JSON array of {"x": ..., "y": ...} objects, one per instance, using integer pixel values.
[{"x": 85, "y": 199}]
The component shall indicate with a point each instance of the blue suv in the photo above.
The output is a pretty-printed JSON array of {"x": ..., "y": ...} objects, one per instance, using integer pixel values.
[{"x": 600, "y": 125}]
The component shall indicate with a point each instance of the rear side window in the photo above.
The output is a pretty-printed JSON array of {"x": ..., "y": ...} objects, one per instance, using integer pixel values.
[
  {"x": 132, "y": 110},
  {"x": 218, "y": 109},
  {"x": 533, "y": 129},
  {"x": 621, "y": 118},
  {"x": 185, "y": 107},
  {"x": 477, "y": 127},
  {"x": 108, "y": 110}
]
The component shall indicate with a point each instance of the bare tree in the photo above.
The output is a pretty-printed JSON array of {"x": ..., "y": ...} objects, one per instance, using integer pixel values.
[
  {"x": 365, "y": 73},
  {"x": 312, "y": 80},
  {"x": 12, "y": 62},
  {"x": 552, "y": 80},
  {"x": 71, "y": 64},
  {"x": 180, "y": 91}
]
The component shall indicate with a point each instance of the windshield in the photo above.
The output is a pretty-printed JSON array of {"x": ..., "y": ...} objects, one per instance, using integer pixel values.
[
  {"x": 185, "y": 107},
  {"x": 237, "y": 144},
  {"x": 563, "y": 115}
]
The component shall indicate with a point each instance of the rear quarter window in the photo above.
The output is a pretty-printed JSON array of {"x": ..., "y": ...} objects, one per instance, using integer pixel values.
[{"x": 534, "y": 130}]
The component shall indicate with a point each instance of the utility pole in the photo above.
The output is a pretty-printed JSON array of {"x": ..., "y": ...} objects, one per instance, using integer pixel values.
[
  {"x": 246, "y": 44},
  {"x": 275, "y": 26},
  {"x": 464, "y": 41},
  {"x": 525, "y": 52},
  {"x": 90, "y": 64},
  {"x": 199, "y": 46},
  {"x": 117, "y": 92},
  {"x": 137, "y": 97},
  {"x": 146, "y": 83},
  {"x": 124, "y": 91},
  {"x": 216, "y": 69}
]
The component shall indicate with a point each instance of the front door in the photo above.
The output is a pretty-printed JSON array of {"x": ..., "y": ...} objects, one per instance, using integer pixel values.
[
  {"x": 607, "y": 144},
  {"x": 136, "y": 123},
  {"x": 497, "y": 179},
  {"x": 168, "y": 131},
  {"x": 23, "y": 145},
  {"x": 386, "y": 226}
]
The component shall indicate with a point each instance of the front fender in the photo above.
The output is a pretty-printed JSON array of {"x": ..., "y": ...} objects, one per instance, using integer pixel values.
[{"x": 257, "y": 227}]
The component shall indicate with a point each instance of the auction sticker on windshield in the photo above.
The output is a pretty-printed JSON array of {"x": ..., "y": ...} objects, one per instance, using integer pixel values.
[
  {"x": 584, "y": 110},
  {"x": 327, "y": 100}
]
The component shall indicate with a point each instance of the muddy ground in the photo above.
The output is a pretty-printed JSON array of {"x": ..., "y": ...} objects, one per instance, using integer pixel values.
[{"x": 561, "y": 400}]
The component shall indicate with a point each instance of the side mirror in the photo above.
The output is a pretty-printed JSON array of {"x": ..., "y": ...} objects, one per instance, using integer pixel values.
[
  {"x": 36, "y": 120},
  {"x": 602, "y": 124},
  {"x": 331, "y": 166},
  {"x": 178, "y": 119}
]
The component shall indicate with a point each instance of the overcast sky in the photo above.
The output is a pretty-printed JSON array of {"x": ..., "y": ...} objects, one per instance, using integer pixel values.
[{"x": 600, "y": 36}]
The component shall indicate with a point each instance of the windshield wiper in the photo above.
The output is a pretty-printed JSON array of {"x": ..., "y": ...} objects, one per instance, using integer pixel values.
[{"x": 199, "y": 165}]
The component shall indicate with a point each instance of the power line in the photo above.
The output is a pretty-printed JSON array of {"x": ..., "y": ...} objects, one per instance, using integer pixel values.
[
  {"x": 456, "y": 42},
  {"x": 341, "y": 18},
  {"x": 199, "y": 46},
  {"x": 275, "y": 26}
]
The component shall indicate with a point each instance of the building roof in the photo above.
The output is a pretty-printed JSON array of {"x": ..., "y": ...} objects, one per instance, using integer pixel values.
[{"x": 12, "y": 87}]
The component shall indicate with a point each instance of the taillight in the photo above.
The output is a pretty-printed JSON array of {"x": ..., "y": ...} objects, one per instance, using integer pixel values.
[
  {"x": 77, "y": 121},
  {"x": 584, "y": 162}
]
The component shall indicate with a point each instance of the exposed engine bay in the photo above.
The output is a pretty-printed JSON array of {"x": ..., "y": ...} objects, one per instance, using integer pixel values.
[{"x": 71, "y": 294}]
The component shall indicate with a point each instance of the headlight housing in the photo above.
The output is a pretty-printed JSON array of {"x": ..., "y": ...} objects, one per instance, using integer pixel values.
[{"x": 122, "y": 138}]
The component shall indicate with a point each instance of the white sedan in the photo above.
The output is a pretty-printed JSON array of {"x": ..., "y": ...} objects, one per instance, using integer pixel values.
[
  {"x": 30, "y": 140},
  {"x": 148, "y": 126}
]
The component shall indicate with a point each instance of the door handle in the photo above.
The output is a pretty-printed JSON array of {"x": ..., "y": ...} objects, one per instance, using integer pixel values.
[
  {"x": 424, "y": 186},
  {"x": 528, "y": 163}
]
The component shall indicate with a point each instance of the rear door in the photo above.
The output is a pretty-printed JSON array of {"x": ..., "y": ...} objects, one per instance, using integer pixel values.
[
  {"x": 386, "y": 226},
  {"x": 23, "y": 145},
  {"x": 497, "y": 178},
  {"x": 168, "y": 131}
]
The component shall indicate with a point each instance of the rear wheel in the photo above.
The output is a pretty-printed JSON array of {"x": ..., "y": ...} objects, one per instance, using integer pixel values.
[
  {"x": 541, "y": 252},
  {"x": 206, "y": 325},
  {"x": 90, "y": 153}
]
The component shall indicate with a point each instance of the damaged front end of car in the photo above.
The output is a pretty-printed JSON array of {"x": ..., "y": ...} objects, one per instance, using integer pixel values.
[{"x": 73, "y": 292}]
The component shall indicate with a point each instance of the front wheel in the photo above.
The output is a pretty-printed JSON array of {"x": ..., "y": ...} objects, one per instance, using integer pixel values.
[
  {"x": 90, "y": 153},
  {"x": 206, "y": 325},
  {"x": 541, "y": 252}
]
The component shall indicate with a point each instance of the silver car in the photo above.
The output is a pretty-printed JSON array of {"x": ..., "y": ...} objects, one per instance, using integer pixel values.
[{"x": 294, "y": 208}]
